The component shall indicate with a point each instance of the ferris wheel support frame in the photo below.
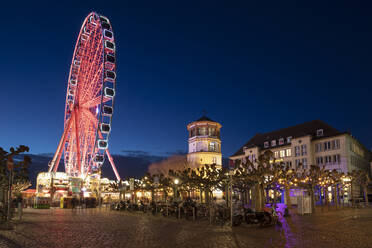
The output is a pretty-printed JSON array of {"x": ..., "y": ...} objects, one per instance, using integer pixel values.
[
  {"x": 57, "y": 155},
  {"x": 113, "y": 165}
]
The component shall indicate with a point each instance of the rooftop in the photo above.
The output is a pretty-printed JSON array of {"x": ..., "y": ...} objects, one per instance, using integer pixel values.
[
  {"x": 205, "y": 118},
  {"x": 300, "y": 130}
]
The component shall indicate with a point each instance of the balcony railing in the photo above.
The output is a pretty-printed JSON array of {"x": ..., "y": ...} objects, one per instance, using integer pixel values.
[{"x": 205, "y": 135}]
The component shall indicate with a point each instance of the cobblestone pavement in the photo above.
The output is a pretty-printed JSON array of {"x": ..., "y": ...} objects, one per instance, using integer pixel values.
[{"x": 103, "y": 228}]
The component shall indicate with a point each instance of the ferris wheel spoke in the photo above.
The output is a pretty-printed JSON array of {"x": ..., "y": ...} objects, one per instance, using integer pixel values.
[
  {"x": 95, "y": 102},
  {"x": 92, "y": 128},
  {"x": 90, "y": 91},
  {"x": 89, "y": 115},
  {"x": 92, "y": 70},
  {"x": 86, "y": 65},
  {"x": 85, "y": 152},
  {"x": 91, "y": 85}
]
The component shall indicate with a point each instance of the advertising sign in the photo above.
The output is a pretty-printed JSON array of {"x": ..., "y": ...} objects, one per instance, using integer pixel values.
[{"x": 75, "y": 184}]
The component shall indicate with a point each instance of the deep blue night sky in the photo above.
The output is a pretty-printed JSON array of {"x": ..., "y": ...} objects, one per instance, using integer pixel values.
[{"x": 252, "y": 67}]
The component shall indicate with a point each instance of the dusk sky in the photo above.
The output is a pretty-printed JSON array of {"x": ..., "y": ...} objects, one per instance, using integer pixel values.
[{"x": 253, "y": 68}]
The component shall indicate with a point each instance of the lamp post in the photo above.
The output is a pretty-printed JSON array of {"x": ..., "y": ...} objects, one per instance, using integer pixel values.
[
  {"x": 231, "y": 173},
  {"x": 176, "y": 182},
  {"x": 99, "y": 190},
  {"x": 51, "y": 188},
  {"x": 10, "y": 165}
]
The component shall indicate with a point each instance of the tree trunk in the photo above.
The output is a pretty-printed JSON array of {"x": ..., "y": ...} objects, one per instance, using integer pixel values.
[
  {"x": 335, "y": 195},
  {"x": 227, "y": 195},
  {"x": 242, "y": 196},
  {"x": 312, "y": 196},
  {"x": 365, "y": 194},
  {"x": 165, "y": 195},
  {"x": 201, "y": 195},
  {"x": 255, "y": 198},
  {"x": 288, "y": 196},
  {"x": 325, "y": 196},
  {"x": 206, "y": 196},
  {"x": 352, "y": 195},
  {"x": 262, "y": 202},
  {"x": 259, "y": 197},
  {"x": 267, "y": 196},
  {"x": 249, "y": 197}
]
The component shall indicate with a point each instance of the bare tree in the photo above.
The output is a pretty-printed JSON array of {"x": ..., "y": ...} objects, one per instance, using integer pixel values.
[
  {"x": 20, "y": 186},
  {"x": 261, "y": 173}
]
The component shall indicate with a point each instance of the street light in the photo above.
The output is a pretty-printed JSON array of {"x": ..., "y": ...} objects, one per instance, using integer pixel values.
[{"x": 176, "y": 182}]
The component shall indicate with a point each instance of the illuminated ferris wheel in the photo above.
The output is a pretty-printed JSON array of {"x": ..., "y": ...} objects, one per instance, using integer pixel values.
[{"x": 89, "y": 100}]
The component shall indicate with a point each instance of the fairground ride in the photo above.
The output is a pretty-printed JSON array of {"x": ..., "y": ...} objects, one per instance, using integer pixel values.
[{"x": 89, "y": 101}]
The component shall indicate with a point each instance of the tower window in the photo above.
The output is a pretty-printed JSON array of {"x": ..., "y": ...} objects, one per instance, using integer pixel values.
[
  {"x": 273, "y": 143},
  {"x": 266, "y": 144},
  {"x": 202, "y": 131},
  {"x": 193, "y": 132},
  {"x": 212, "y": 147},
  {"x": 212, "y": 132}
]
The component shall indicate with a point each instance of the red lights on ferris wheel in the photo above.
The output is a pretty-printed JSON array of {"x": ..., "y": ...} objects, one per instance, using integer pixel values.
[{"x": 89, "y": 100}]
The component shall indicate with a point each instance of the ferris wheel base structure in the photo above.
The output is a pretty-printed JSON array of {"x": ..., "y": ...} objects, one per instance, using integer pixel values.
[
  {"x": 89, "y": 101},
  {"x": 111, "y": 160}
]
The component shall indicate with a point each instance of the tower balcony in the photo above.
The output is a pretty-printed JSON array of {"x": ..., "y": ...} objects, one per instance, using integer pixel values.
[
  {"x": 213, "y": 136},
  {"x": 207, "y": 151}
]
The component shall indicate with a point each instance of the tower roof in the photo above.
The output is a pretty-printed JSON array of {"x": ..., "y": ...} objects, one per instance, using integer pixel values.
[{"x": 205, "y": 118}]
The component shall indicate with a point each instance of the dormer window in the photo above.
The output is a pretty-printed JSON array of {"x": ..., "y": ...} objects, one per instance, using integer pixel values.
[
  {"x": 281, "y": 141},
  {"x": 266, "y": 144},
  {"x": 289, "y": 139},
  {"x": 273, "y": 143},
  {"x": 319, "y": 132}
]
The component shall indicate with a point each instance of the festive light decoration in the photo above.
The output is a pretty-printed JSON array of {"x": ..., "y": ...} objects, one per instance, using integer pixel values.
[{"x": 89, "y": 100}]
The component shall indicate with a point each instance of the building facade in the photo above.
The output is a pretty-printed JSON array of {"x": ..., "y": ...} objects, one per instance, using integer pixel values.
[
  {"x": 309, "y": 143},
  {"x": 204, "y": 142}
]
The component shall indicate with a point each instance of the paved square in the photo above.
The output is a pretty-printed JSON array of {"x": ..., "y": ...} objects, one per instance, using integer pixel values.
[{"x": 103, "y": 228}]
